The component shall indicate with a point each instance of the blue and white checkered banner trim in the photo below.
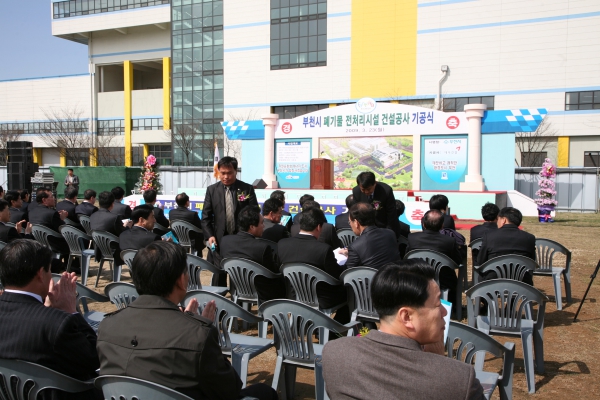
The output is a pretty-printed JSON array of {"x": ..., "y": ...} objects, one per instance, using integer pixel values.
[
  {"x": 244, "y": 129},
  {"x": 504, "y": 121}
]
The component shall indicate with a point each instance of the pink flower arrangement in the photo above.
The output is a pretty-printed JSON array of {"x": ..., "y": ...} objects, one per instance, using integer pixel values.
[
  {"x": 546, "y": 192},
  {"x": 151, "y": 160},
  {"x": 149, "y": 176}
]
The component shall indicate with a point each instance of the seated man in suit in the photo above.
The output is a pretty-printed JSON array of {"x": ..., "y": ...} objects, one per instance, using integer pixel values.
[
  {"x": 280, "y": 196},
  {"x": 374, "y": 247},
  {"x": 105, "y": 220},
  {"x": 8, "y": 233},
  {"x": 271, "y": 212},
  {"x": 328, "y": 234},
  {"x": 431, "y": 239},
  {"x": 159, "y": 214},
  {"x": 306, "y": 248},
  {"x": 244, "y": 245},
  {"x": 341, "y": 221},
  {"x": 507, "y": 239},
  {"x": 15, "y": 203},
  {"x": 153, "y": 340},
  {"x": 411, "y": 315},
  {"x": 404, "y": 228},
  {"x": 87, "y": 206},
  {"x": 140, "y": 235},
  {"x": 119, "y": 208},
  {"x": 39, "y": 321},
  {"x": 69, "y": 204},
  {"x": 303, "y": 199},
  {"x": 25, "y": 201},
  {"x": 489, "y": 212},
  {"x": 183, "y": 213},
  {"x": 381, "y": 196},
  {"x": 440, "y": 202}
]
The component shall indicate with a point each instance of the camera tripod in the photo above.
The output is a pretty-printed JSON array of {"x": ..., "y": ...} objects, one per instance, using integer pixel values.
[{"x": 588, "y": 289}]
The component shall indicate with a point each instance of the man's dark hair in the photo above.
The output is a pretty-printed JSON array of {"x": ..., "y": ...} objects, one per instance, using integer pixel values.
[
  {"x": 350, "y": 201},
  {"x": 24, "y": 194},
  {"x": 400, "y": 207},
  {"x": 228, "y": 162},
  {"x": 141, "y": 211},
  {"x": 41, "y": 194},
  {"x": 21, "y": 260},
  {"x": 310, "y": 204},
  {"x": 489, "y": 212},
  {"x": 150, "y": 196},
  {"x": 365, "y": 179},
  {"x": 105, "y": 199},
  {"x": 438, "y": 202},
  {"x": 118, "y": 192},
  {"x": 278, "y": 195},
  {"x": 271, "y": 205},
  {"x": 513, "y": 215},
  {"x": 88, "y": 194},
  {"x": 3, "y": 204},
  {"x": 71, "y": 193},
  {"x": 305, "y": 198},
  {"x": 10, "y": 196},
  {"x": 1, "y": 190},
  {"x": 433, "y": 220},
  {"x": 364, "y": 213},
  {"x": 249, "y": 216},
  {"x": 157, "y": 267},
  {"x": 70, "y": 169},
  {"x": 182, "y": 199},
  {"x": 399, "y": 285},
  {"x": 311, "y": 219}
]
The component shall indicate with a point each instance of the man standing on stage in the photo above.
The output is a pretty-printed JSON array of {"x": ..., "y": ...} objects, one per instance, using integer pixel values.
[
  {"x": 71, "y": 180},
  {"x": 222, "y": 203},
  {"x": 381, "y": 197}
]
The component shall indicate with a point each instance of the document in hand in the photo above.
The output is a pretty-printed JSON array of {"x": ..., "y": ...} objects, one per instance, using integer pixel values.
[
  {"x": 341, "y": 259},
  {"x": 170, "y": 235},
  {"x": 284, "y": 220},
  {"x": 448, "y": 306}
]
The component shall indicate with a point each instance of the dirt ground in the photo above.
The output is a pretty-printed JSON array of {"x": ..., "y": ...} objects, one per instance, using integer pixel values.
[{"x": 572, "y": 362}]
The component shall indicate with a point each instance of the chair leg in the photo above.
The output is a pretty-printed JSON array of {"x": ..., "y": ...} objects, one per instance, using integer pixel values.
[
  {"x": 538, "y": 346},
  {"x": 240, "y": 364},
  {"x": 69, "y": 263},
  {"x": 277, "y": 377},
  {"x": 262, "y": 329},
  {"x": 246, "y": 306},
  {"x": 557, "y": 290},
  {"x": 290, "y": 380},
  {"x": 567, "y": 278},
  {"x": 85, "y": 268},
  {"x": 99, "y": 272},
  {"x": 527, "y": 340},
  {"x": 117, "y": 272},
  {"x": 479, "y": 360},
  {"x": 320, "y": 391}
]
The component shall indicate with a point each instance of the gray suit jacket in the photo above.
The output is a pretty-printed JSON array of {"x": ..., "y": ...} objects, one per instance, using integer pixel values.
[{"x": 383, "y": 366}]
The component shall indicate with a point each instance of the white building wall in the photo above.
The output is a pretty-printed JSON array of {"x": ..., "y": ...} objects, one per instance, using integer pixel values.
[
  {"x": 147, "y": 103},
  {"x": 139, "y": 43},
  {"x": 111, "y": 105}
]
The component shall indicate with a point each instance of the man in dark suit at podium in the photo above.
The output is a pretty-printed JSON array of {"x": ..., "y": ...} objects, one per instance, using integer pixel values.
[{"x": 381, "y": 197}]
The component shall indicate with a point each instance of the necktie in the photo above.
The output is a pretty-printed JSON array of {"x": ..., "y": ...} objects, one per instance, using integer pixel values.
[
  {"x": 371, "y": 198},
  {"x": 229, "y": 210}
]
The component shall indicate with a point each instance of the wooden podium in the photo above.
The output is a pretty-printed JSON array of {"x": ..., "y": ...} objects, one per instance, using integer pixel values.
[{"x": 321, "y": 173}]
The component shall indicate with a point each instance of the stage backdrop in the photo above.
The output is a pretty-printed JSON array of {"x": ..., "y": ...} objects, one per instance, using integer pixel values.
[
  {"x": 443, "y": 162},
  {"x": 292, "y": 163}
]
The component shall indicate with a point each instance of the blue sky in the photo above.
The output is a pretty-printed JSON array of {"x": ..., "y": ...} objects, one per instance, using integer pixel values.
[{"x": 27, "y": 46}]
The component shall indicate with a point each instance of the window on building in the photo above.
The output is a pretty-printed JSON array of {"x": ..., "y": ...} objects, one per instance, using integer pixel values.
[
  {"x": 111, "y": 127},
  {"x": 147, "y": 124},
  {"x": 115, "y": 156},
  {"x": 162, "y": 152},
  {"x": 80, "y": 157},
  {"x": 457, "y": 104},
  {"x": 75, "y": 8},
  {"x": 591, "y": 159},
  {"x": 533, "y": 158},
  {"x": 287, "y": 112},
  {"x": 298, "y": 33},
  {"x": 589, "y": 100}
]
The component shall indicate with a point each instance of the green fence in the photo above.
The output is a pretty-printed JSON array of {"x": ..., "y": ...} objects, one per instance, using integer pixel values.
[{"x": 98, "y": 178}]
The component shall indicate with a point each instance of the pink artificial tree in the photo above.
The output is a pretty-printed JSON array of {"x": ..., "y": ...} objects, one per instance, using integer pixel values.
[
  {"x": 545, "y": 200},
  {"x": 149, "y": 176}
]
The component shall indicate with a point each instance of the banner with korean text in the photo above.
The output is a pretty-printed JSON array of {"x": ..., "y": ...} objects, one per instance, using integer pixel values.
[
  {"x": 443, "y": 162},
  {"x": 292, "y": 163}
]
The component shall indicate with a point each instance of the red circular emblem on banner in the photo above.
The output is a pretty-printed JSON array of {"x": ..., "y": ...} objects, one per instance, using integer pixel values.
[
  {"x": 452, "y": 122},
  {"x": 286, "y": 128}
]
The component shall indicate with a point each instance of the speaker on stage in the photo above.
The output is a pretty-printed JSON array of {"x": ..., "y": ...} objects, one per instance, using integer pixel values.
[{"x": 259, "y": 184}]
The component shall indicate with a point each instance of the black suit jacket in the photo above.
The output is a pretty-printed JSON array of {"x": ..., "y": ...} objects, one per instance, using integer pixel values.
[
  {"x": 214, "y": 222},
  {"x": 42, "y": 215},
  {"x": 121, "y": 209},
  {"x": 308, "y": 250},
  {"x": 86, "y": 208},
  {"x": 68, "y": 207},
  {"x": 136, "y": 238},
  {"x": 8, "y": 233},
  {"x": 244, "y": 245},
  {"x": 404, "y": 229},
  {"x": 159, "y": 216},
  {"x": 17, "y": 215},
  {"x": 448, "y": 222},
  {"x": 433, "y": 240},
  {"x": 480, "y": 230},
  {"x": 386, "y": 216},
  {"x": 274, "y": 232},
  {"x": 374, "y": 248},
  {"x": 104, "y": 220},
  {"x": 507, "y": 240},
  {"x": 341, "y": 222},
  {"x": 328, "y": 235}
]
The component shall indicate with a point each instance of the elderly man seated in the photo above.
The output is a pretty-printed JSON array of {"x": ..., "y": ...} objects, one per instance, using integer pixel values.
[{"x": 390, "y": 363}]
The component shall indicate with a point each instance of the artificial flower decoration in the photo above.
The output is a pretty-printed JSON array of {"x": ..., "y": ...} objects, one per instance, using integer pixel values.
[
  {"x": 149, "y": 175},
  {"x": 377, "y": 205},
  {"x": 546, "y": 183},
  {"x": 242, "y": 196}
]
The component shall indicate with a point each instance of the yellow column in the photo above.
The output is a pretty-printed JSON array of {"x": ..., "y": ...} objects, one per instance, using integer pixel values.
[
  {"x": 94, "y": 157},
  {"x": 166, "y": 94},
  {"x": 332, "y": 105},
  {"x": 563, "y": 151},
  {"x": 37, "y": 156},
  {"x": 146, "y": 150},
  {"x": 383, "y": 48},
  {"x": 63, "y": 160},
  {"x": 128, "y": 78},
  {"x": 394, "y": 102}
]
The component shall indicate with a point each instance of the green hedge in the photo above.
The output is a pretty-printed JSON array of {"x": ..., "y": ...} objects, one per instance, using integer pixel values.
[{"x": 98, "y": 178}]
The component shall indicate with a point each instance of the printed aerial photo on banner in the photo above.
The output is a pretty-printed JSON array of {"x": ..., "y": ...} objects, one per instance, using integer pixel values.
[{"x": 390, "y": 158}]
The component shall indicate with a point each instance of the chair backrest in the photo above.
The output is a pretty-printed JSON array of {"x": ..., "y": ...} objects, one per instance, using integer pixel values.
[
  {"x": 346, "y": 236},
  {"x": 507, "y": 300},
  {"x": 103, "y": 240},
  {"x": 545, "y": 250},
  {"x": 433, "y": 258},
  {"x": 121, "y": 294},
  {"x": 74, "y": 238},
  {"x": 84, "y": 293},
  {"x": 159, "y": 228},
  {"x": 127, "y": 256},
  {"x": 2, "y": 245},
  {"x": 84, "y": 220},
  {"x": 42, "y": 233},
  {"x": 475, "y": 246},
  {"x": 242, "y": 273},
  {"x": 182, "y": 230},
  {"x": 226, "y": 309},
  {"x": 195, "y": 266},
  {"x": 359, "y": 279},
  {"x": 304, "y": 278},
  {"x": 126, "y": 388},
  {"x": 294, "y": 324},
  {"x": 22, "y": 380},
  {"x": 68, "y": 221},
  {"x": 510, "y": 266}
]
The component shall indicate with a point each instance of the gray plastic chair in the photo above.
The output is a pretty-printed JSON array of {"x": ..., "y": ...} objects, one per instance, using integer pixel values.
[
  {"x": 11, "y": 224},
  {"x": 465, "y": 343},
  {"x": 475, "y": 246},
  {"x": 508, "y": 301},
  {"x": 125, "y": 388},
  {"x": 41, "y": 235},
  {"x": 103, "y": 240},
  {"x": 439, "y": 261},
  {"x": 127, "y": 256},
  {"x": 22, "y": 380},
  {"x": 546, "y": 249},
  {"x": 159, "y": 229},
  {"x": 294, "y": 324},
  {"x": 121, "y": 294},
  {"x": 67, "y": 221},
  {"x": 2, "y": 245},
  {"x": 359, "y": 299},
  {"x": 182, "y": 230},
  {"x": 241, "y": 348},
  {"x": 84, "y": 220},
  {"x": 75, "y": 239},
  {"x": 346, "y": 236},
  {"x": 509, "y": 266},
  {"x": 195, "y": 266}
]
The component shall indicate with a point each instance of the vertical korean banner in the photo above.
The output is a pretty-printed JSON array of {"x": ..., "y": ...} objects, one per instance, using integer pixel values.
[
  {"x": 443, "y": 162},
  {"x": 292, "y": 163}
]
